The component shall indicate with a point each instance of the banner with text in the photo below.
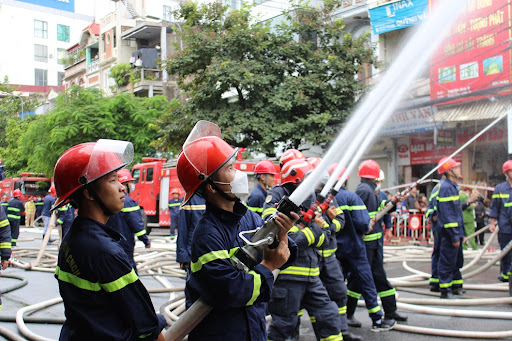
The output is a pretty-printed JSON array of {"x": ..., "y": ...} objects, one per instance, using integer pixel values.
[
  {"x": 409, "y": 121},
  {"x": 395, "y": 15}
]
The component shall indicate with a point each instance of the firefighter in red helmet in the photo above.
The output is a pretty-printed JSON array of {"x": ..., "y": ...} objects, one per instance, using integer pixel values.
[
  {"x": 450, "y": 218},
  {"x": 14, "y": 211},
  {"x": 264, "y": 173},
  {"x": 174, "y": 211},
  {"x": 103, "y": 297},
  {"x": 290, "y": 154},
  {"x": 501, "y": 213},
  {"x": 206, "y": 167}
]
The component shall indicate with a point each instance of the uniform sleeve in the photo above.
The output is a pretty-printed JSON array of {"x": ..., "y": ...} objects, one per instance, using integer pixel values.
[
  {"x": 495, "y": 204},
  {"x": 5, "y": 236},
  {"x": 122, "y": 285},
  {"x": 182, "y": 252},
  {"x": 133, "y": 219},
  {"x": 432, "y": 204},
  {"x": 449, "y": 212},
  {"x": 360, "y": 215},
  {"x": 219, "y": 283},
  {"x": 61, "y": 214},
  {"x": 255, "y": 203}
]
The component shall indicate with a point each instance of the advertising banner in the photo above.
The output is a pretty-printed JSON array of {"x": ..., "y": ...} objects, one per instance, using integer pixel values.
[
  {"x": 423, "y": 151},
  {"x": 476, "y": 54},
  {"x": 395, "y": 15},
  {"x": 409, "y": 121},
  {"x": 65, "y": 5}
]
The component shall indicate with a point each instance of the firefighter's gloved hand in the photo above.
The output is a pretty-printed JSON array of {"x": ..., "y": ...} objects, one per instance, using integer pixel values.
[
  {"x": 275, "y": 258},
  {"x": 285, "y": 223},
  {"x": 319, "y": 220},
  {"x": 331, "y": 212}
]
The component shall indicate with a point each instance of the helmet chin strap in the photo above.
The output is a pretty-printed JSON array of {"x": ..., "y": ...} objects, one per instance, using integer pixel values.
[
  {"x": 221, "y": 192},
  {"x": 100, "y": 203}
]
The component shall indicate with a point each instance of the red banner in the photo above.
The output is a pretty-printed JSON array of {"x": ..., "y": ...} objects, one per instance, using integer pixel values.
[
  {"x": 422, "y": 151},
  {"x": 476, "y": 55}
]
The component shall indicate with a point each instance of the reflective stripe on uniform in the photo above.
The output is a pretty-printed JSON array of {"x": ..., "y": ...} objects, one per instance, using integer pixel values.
[
  {"x": 434, "y": 280},
  {"x": 374, "y": 310},
  {"x": 12, "y": 216},
  {"x": 448, "y": 225},
  {"x": 269, "y": 211},
  {"x": 337, "y": 337},
  {"x": 337, "y": 224},
  {"x": 501, "y": 196},
  {"x": 372, "y": 236},
  {"x": 327, "y": 253},
  {"x": 256, "y": 209},
  {"x": 387, "y": 293},
  {"x": 353, "y": 294},
  {"x": 194, "y": 207},
  {"x": 130, "y": 209},
  {"x": 81, "y": 283},
  {"x": 175, "y": 204},
  {"x": 5, "y": 245},
  {"x": 446, "y": 199},
  {"x": 342, "y": 310},
  {"x": 301, "y": 271},
  {"x": 353, "y": 208},
  {"x": 121, "y": 282},
  {"x": 309, "y": 235},
  {"x": 140, "y": 233},
  {"x": 321, "y": 240},
  {"x": 4, "y": 222},
  {"x": 372, "y": 214},
  {"x": 256, "y": 287},
  {"x": 210, "y": 256}
]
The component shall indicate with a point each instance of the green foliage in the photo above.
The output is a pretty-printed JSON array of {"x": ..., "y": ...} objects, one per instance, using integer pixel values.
[
  {"x": 81, "y": 115},
  {"x": 121, "y": 74},
  {"x": 291, "y": 83}
]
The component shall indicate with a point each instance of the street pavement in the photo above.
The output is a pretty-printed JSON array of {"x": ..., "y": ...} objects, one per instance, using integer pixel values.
[{"x": 43, "y": 286}]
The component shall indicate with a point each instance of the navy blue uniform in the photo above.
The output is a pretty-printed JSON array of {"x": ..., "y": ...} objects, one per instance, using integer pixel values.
[
  {"x": 174, "y": 211},
  {"x": 190, "y": 214},
  {"x": 5, "y": 204},
  {"x": 299, "y": 285},
  {"x": 14, "y": 211},
  {"x": 256, "y": 199},
  {"x": 65, "y": 217},
  {"x": 351, "y": 253},
  {"x": 129, "y": 224},
  {"x": 103, "y": 296},
  {"x": 5, "y": 240},
  {"x": 501, "y": 210},
  {"x": 449, "y": 218},
  {"x": 431, "y": 215},
  {"x": 238, "y": 298},
  {"x": 39, "y": 207}
]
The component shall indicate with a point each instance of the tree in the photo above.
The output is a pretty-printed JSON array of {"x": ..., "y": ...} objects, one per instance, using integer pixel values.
[
  {"x": 263, "y": 85},
  {"x": 82, "y": 115}
]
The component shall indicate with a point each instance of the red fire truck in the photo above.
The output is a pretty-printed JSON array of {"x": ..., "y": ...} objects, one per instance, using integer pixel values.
[
  {"x": 154, "y": 180},
  {"x": 32, "y": 186}
]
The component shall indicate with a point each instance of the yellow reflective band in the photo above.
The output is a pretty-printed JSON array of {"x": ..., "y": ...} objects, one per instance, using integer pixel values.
[
  {"x": 353, "y": 208},
  {"x": 374, "y": 310},
  {"x": 255, "y": 209},
  {"x": 175, "y": 204},
  {"x": 233, "y": 251},
  {"x": 372, "y": 214},
  {"x": 63, "y": 208},
  {"x": 433, "y": 195},
  {"x": 445, "y": 285},
  {"x": 121, "y": 282},
  {"x": 309, "y": 235},
  {"x": 76, "y": 281},
  {"x": 501, "y": 196},
  {"x": 353, "y": 294},
  {"x": 337, "y": 337},
  {"x": 143, "y": 336},
  {"x": 301, "y": 271},
  {"x": 13, "y": 209},
  {"x": 504, "y": 276},
  {"x": 12, "y": 216},
  {"x": 325, "y": 226},
  {"x": 5, "y": 245},
  {"x": 194, "y": 207},
  {"x": 372, "y": 236},
  {"x": 14, "y": 240},
  {"x": 7, "y": 204},
  {"x": 301, "y": 312},
  {"x": 458, "y": 281},
  {"x": 337, "y": 224},
  {"x": 312, "y": 319},
  {"x": 60, "y": 221},
  {"x": 268, "y": 211},
  {"x": 256, "y": 287},
  {"x": 210, "y": 256},
  {"x": 434, "y": 280},
  {"x": 507, "y": 204},
  {"x": 445, "y": 199},
  {"x": 427, "y": 214},
  {"x": 342, "y": 310},
  {"x": 321, "y": 240},
  {"x": 339, "y": 210},
  {"x": 387, "y": 293},
  {"x": 4, "y": 222},
  {"x": 327, "y": 253},
  {"x": 130, "y": 209},
  {"x": 140, "y": 233},
  {"x": 294, "y": 229},
  {"x": 448, "y": 225}
]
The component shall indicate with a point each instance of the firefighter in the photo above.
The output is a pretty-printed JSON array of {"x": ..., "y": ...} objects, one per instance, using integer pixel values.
[
  {"x": 299, "y": 286},
  {"x": 369, "y": 171},
  {"x": 174, "y": 211},
  {"x": 129, "y": 221},
  {"x": 264, "y": 173},
  {"x": 65, "y": 217},
  {"x": 190, "y": 214},
  {"x": 14, "y": 211},
  {"x": 5, "y": 243},
  {"x": 449, "y": 217},
  {"x": 39, "y": 206},
  {"x": 383, "y": 200},
  {"x": 5, "y": 203},
  {"x": 431, "y": 215},
  {"x": 48, "y": 202},
  {"x": 206, "y": 167},
  {"x": 352, "y": 256},
  {"x": 103, "y": 297},
  {"x": 290, "y": 154},
  {"x": 501, "y": 213}
]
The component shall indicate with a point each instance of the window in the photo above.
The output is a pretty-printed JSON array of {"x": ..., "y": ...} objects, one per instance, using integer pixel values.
[
  {"x": 60, "y": 78},
  {"x": 167, "y": 15},
  {"x": 136, "y": 175},
  {"x": 41, "y": 77},
  {"x": 149, "y": 175},
  {"x": 40, "y": 29},
  {"x": 62, "y": 33},
  {"x": 61, "y": 54},
  {"x": 40, "y": 53}
]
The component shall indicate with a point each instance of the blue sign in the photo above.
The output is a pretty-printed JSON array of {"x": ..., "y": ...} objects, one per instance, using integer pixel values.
[
  {"x": 398, "y": 14},
  {"x": 64, "y": 5}
]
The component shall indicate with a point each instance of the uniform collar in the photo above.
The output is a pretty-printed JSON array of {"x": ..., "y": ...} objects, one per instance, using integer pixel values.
[
  {"x": 90, "y": 224},
  {"x": 372, "y": 184},
  {"x": 226, "y": 217}
]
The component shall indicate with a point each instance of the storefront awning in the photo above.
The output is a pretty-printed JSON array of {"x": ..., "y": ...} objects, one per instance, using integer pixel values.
[{"x": 474, "y": 111}]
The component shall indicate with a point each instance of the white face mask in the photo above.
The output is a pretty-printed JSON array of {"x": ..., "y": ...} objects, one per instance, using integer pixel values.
[
  {"x": 239, "y": 185},
  {"x": 132, "y": 187},
  {"x": 377, "y": 188}
]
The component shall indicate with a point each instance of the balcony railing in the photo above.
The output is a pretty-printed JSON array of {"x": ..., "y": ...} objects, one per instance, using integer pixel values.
[{"x": 93, "y": 66}]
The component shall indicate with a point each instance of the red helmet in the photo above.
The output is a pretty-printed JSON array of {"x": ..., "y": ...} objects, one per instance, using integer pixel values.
[
  {"x": 175, "y": 190},
  {"x": 125, "y": 175},
  {"x": 369, "y": 169},
  {"x": 53, "y": 192},
  {"x": 16, "y": 193},
  {"x": 265, "y": 167},
  {"x": 290, "y": 154},
  {"x": 314, "y": 161},
  {"x": 294, "y": 170},
  {"x": 446, "y": 163},
  {"x": 343, "y": 170},
  {"x": 82, "y": 164},
  {"x": 507, "y": 166}
]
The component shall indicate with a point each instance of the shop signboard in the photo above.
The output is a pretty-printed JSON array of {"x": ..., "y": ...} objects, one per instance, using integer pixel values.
[
  {"x": 395, "y": 15},
  {"x": 476, "y": 54},
  {"x": 65, "y": 5},
  {"x": 409, "y": 121},
  {"x": 424, "y": 152},
  {"x": 446, "y": 137}
]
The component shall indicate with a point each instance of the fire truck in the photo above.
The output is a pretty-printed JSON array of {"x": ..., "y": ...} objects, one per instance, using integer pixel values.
[
  {"x": 32, "y": 186},
  {"x": 156, "y": 177}
]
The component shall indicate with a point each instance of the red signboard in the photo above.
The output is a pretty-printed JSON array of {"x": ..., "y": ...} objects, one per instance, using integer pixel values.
[
  {"x": 423, "y": 151},
  {"x": 476, "y": 55}
]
